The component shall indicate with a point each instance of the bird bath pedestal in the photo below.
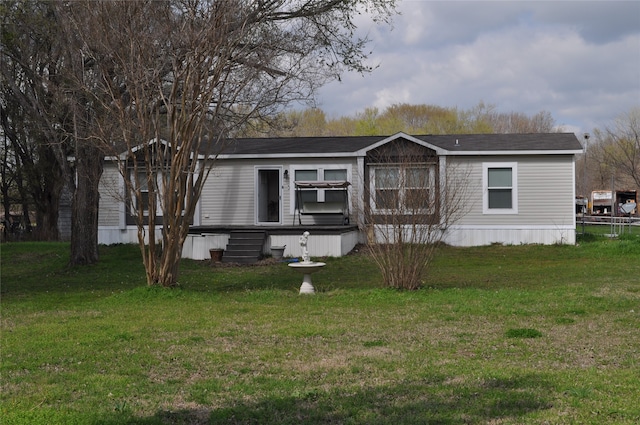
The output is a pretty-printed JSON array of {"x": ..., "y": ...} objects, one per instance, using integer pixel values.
[{"x": 306, "y": 268}]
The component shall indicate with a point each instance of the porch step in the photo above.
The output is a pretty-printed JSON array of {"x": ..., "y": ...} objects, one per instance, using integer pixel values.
[{"x": 244, "y": 247}]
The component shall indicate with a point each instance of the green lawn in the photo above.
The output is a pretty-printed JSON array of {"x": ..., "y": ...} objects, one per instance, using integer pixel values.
[{"x": 498, "y": 334}]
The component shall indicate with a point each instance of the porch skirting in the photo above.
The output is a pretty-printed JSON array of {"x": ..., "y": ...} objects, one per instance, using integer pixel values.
[
  {"x": 325, "y": 241},
  {"x": 469, "y": 235},
  {"x": 111, "y": 235}
]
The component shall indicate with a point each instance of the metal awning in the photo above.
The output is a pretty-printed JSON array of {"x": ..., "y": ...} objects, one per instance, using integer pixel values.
[{"x": 322, "y": 184}]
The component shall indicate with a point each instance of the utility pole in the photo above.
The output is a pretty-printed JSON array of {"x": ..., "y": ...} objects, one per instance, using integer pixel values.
[{"x": 584, "y": 180}]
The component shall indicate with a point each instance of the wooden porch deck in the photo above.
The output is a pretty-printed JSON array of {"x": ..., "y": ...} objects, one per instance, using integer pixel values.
[{"x": 324, "y": 241}]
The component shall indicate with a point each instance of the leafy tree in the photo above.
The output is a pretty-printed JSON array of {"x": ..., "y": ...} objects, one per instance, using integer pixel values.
[
  {"x": 309, "y": 122},
  {"x": 411, "y": 119}
]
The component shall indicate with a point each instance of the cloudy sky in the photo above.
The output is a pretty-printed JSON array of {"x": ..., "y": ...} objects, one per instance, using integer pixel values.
[{"x": 578, "y": 60}]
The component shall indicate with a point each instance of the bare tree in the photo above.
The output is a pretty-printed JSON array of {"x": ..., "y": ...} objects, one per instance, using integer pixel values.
[
  {"x": 177, "y": 78},
  {"x": 413, "y": 199},
  {"x": 44, "y": 93},
  {"x": 617, "y": 150},
  {"x": 34, "y": 118}
]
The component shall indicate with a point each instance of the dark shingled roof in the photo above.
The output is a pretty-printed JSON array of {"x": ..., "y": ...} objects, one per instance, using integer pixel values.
[
  {"x": 301, "y": 145},
  {"x": 505, "y": 142},
  {"x": 465, "y": 143}
]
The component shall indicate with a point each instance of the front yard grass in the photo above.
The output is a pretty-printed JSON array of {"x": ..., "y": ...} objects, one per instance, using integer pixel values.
[{"x": 497, "y": 334}]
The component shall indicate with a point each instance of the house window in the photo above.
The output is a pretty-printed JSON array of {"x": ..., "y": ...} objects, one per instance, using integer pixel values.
[
  {"x": 141, "y": 203},
  {"x": 142, "y": 184},
  {"x": 387, "y": 188},
  {"x": 306, "y": 195},
  {"x": 417, "y": 192},
  {"x": 315, "y": 174},
  {"x": 338, "y": 175},
  {"x": 500, "y": 188},
  {"x": 407, "y": 189}
]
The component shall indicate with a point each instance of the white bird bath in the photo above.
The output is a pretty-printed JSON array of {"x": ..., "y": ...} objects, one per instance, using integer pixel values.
[{"x": 306, "y": 268}]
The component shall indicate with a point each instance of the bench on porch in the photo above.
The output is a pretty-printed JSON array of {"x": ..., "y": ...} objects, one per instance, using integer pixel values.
[{"x": 325, "y": 208}]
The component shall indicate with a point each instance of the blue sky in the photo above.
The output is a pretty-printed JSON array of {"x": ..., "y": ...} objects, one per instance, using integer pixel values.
[{"x": 579, "y": 60}]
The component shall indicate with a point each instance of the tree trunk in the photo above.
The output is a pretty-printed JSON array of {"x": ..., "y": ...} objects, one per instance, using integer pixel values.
[
  {"x": 47, "y": 217},
  {"x": 47, "y": 203},
  {"x": 84, "y": 221},
  {"x": 169, "y": 264}
]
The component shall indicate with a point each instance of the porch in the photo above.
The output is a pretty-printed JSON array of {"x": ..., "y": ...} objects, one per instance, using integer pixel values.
[{"x": 324, "y": 241}]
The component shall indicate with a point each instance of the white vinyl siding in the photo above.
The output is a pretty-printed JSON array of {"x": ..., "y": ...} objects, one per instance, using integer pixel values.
[
  {"x": 544, "y": 198},
  {"x": 111, "y": 188},
  {"x": 229, "y": 195}
]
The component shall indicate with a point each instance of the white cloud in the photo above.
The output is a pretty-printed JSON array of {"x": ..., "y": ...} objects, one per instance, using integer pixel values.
[{"x": 563, "y": 57}]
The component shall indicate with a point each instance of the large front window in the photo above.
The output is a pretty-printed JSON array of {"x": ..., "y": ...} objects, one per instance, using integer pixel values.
[{"x": 403, "y": 189}]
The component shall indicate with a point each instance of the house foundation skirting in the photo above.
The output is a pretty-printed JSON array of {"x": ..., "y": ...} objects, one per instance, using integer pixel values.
[
  {"x": 510, "y": 235},
  {"x": 336, "y": 241},
  {"x": 111, "y": 235}
]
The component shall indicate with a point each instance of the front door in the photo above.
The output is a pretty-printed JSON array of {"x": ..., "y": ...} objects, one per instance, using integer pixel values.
[{"x": 269, "y": 202}]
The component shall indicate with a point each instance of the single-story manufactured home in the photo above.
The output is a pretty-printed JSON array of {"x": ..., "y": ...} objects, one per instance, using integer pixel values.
[{"x": 520, "y": 189}]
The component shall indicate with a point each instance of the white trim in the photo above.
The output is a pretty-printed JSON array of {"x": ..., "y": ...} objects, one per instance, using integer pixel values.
[
  {"x": 122, "y": 202},
  {"x": 513, "y": 152},
  {"x": 514, "y": 188},
  {"x": 512, "y": 227},
  {"x": 359, "y": 200},
  {"x": 256, "y": 181},
  {"x": 573, "y": 188},
  {"x": 442, "y": 185},
  {"x": 196, "y": 211}
]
